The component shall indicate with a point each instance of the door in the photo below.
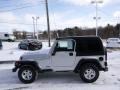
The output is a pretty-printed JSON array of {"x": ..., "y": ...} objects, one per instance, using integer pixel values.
[{"x": 64, "y": 54}]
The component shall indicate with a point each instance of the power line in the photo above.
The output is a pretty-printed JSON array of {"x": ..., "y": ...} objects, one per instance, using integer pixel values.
[
  {"x": 16, "y": 8},
  {"x": 19, "y": 8},
  {"x": 107, "y": 15},
  {"x": 53, "y": 16},
  {"x": 21, "y": 23},
  {"x": 6, "y": 6}
]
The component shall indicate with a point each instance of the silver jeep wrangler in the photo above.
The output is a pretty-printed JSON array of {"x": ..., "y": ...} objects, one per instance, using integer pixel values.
[{"x": 84, "y": 55}]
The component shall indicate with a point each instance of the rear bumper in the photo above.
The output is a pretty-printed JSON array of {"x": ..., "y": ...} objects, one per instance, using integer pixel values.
[
  {"x": 105, "y": 69},
  {"x": 106, "y": 66}
]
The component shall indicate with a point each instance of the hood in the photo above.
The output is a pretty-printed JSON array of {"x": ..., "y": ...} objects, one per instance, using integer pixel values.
[{"x": 36, "y": 55}]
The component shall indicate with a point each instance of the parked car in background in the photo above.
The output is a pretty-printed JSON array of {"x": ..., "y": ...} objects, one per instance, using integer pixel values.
[
  {"x": 1, "y": 44},
  {"x": 30, "y": 44},
  {"x": 7, "y": 37},
  {"x": 113, "y": 43}
]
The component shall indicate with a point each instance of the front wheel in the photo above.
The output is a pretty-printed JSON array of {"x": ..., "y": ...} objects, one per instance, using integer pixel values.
[
  {"x": 27, "y": 74},
  {"x": 89, "y": 73}
]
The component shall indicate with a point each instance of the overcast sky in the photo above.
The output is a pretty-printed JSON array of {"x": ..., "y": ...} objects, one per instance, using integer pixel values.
[{"x": 17, "y": 14}]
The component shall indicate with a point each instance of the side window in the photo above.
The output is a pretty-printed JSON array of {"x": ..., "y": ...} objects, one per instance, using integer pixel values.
[
  {"x": 89, "y": 46},
  {"x": 65, "y": 45},
  {"x": 6, "y": 35}
]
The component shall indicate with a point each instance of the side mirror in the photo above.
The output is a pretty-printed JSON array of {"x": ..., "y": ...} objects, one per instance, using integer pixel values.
[{"x": 55, "y": 50}]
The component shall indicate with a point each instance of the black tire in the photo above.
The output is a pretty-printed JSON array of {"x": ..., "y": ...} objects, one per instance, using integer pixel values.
[
  {"x": 9, "y": 40},
  {"x": 19, "y": 47},
  {"x": 40, "y": 47},
  {"x": 31, "y": 77},
  {"x": 89, "y": 73}
]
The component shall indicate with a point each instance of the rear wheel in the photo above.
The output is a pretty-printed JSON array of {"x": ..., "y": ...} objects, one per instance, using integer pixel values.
[
  {"x": 27, "y": 74},
  {"x": 89, "y": 73}
]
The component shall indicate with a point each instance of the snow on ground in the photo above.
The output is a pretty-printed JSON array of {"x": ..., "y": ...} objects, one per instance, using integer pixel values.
[
  {"x": 57, "y": 81},
  {"x": 10, "y": 51}
]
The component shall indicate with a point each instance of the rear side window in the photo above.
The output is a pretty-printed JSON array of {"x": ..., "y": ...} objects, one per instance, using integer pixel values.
[{"x": 89, "y": 46}]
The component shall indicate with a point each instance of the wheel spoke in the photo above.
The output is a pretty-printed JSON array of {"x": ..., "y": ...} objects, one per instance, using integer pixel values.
[
  {"x": 89, "y": 74},
  {"x": 27, "y": 74}
]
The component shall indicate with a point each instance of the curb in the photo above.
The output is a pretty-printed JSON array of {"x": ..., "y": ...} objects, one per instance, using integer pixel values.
[{"x": 6, "y": 62}]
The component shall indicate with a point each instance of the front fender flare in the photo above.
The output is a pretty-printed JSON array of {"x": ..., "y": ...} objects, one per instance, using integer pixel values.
[{"x": 19, "y": 64}]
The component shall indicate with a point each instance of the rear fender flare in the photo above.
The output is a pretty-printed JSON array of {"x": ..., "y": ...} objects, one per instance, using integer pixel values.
[{"x": 84, "y": 61}]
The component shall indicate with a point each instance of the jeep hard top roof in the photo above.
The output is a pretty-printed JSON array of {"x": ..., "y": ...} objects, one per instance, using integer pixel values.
[{"x": 87, "y": 45}]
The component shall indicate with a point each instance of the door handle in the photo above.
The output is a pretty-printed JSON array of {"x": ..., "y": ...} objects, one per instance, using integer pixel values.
[{"x": 71, "y": 54}]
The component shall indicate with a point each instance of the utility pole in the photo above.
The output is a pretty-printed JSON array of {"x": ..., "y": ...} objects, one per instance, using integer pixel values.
[
  {"x": 33, "y": 27},
  {"x": 37, "y": 28},
  {"x": 48, "y": 22},
  {"x": 96, "y": 18},
  {"x": 118, "y": 23}
]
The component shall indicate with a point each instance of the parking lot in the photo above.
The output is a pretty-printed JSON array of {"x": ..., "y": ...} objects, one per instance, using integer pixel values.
[{"x": 55, "y": 81}]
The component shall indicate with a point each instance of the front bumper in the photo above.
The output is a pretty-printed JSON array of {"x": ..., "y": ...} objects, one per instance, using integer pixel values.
[
  {"x": 17, "y": 65},
  {"x": 14, "y": 69}
]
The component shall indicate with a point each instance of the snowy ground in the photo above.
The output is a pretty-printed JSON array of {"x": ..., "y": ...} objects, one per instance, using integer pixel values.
[
  {"x": 10, "y": 51},
  {"x": 57, "y": 81}
]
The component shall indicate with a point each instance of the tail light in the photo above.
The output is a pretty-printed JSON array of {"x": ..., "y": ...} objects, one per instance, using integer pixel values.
[{"x": 101, "y": 58}]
